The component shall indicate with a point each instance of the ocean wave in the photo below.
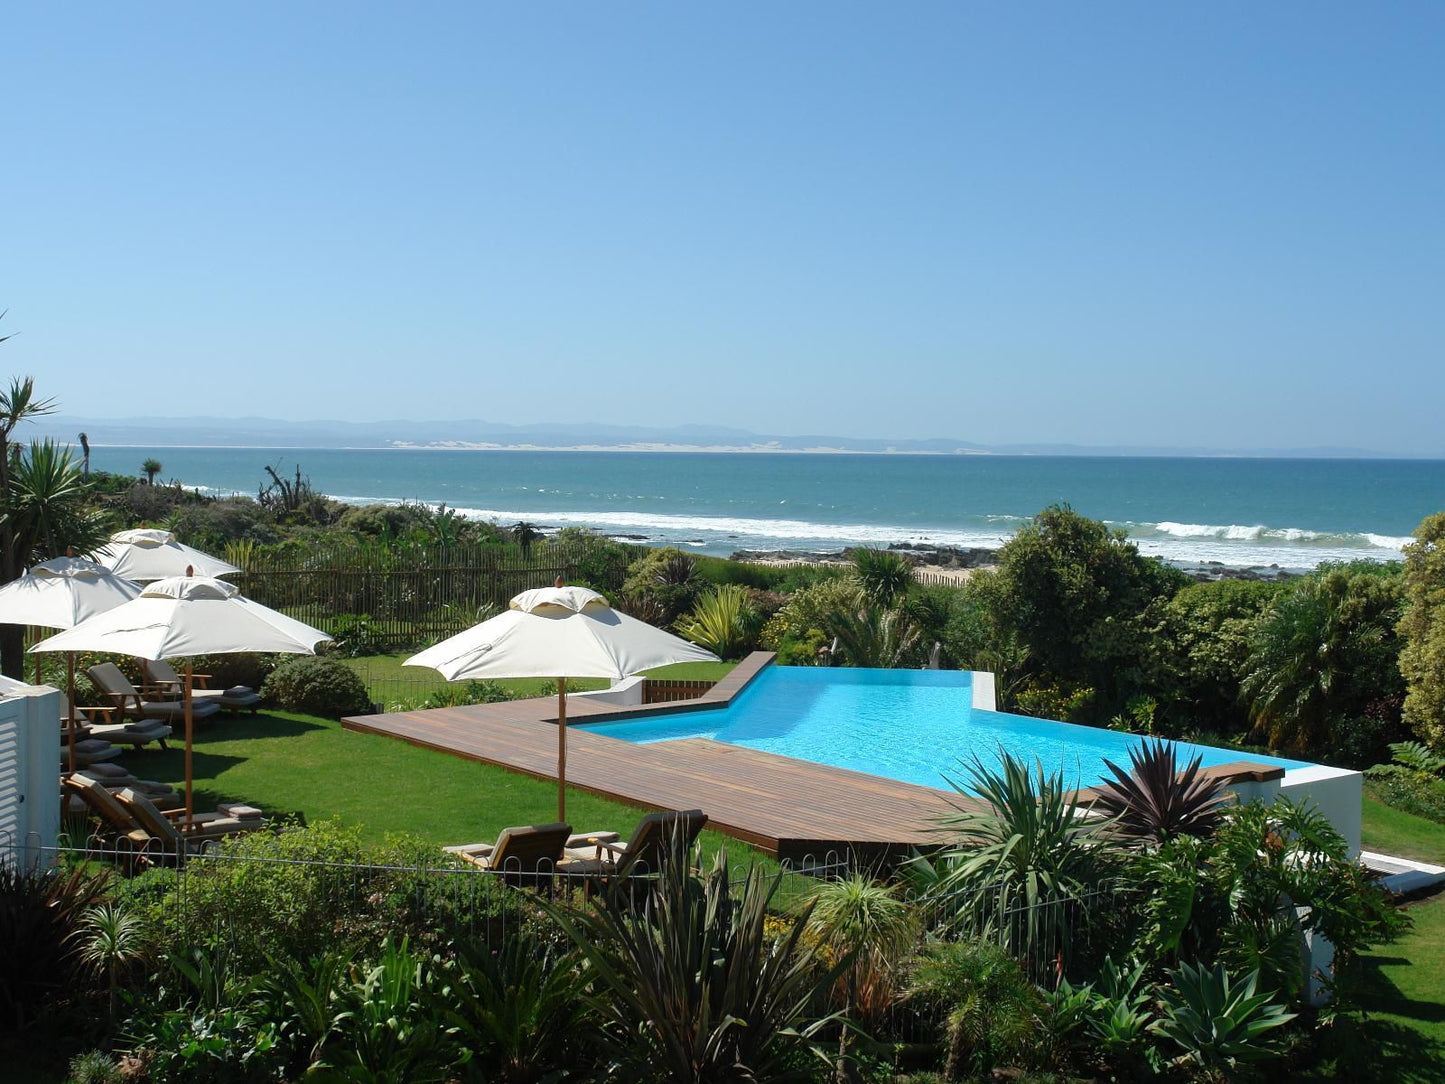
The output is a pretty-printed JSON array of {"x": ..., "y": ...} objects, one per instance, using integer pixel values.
[{"x": 1235, "y": 532}]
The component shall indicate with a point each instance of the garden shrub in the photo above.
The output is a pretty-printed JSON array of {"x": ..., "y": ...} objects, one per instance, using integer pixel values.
[
  {"x": 1061, "y": 700},
  {"x": 317, "y": 685},
  {"x": 357, "y": 635},
  {"x": 668, "y": 578},
  {"x": 312, "y": 889}
]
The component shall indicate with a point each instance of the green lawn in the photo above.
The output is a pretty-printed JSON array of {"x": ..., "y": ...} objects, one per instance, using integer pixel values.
[
  {"x": 302, "y": 765},
  {"x": 1389, "y": 831}
]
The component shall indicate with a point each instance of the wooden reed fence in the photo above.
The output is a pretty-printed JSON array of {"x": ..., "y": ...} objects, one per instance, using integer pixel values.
[{"x": 398, "y": 596}]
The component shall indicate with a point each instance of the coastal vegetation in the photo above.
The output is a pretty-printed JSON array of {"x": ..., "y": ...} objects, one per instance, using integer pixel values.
[{"x": 1155, "y": 933}]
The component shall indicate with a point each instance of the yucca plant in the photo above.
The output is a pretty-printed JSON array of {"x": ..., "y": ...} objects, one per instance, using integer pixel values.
[
  {"x": 883, "y": 576},
  {"x": 1020, "y": 855},
  {"x": 1218, "y": 1021},
  {"x": 1156, "y": 799},
  {"x": 722, "y": 622},
  {"x": 110, "y": 939},
  {"x": 694, "y": 987}
]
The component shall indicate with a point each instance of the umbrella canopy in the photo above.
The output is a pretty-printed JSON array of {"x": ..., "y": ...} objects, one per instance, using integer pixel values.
[
  {"x": 188, "y": 615},
  {"x": 558, "y": 632},
  {"x": 145, "y": 555},
  {"x": 60, "y": 594},
  {"x": 63, "y": 592}
]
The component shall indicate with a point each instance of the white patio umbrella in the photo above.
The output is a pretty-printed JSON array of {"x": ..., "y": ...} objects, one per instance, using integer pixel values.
[
  {"x": 558, "y": 632},
  {"x": 60, "y": 594},
  {"x": 146, "y": 554},
  {"x": 188, "y": 615}
]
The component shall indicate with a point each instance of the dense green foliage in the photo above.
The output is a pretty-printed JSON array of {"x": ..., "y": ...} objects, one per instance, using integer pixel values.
[
  {"x": 317, "y": 685},
  {"x": 1323, "y": 653},
  {"x": 1422, "y": 631},
  {"x": 1199, "y": 645},
  {"x": 1075, "y": 595}
]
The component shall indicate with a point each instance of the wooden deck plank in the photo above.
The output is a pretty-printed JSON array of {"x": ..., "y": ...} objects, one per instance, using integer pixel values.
[{"x": 786, "y": 806}]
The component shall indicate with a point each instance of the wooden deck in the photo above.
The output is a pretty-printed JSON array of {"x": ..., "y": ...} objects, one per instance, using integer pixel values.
[{"x": 790, "y": 808}]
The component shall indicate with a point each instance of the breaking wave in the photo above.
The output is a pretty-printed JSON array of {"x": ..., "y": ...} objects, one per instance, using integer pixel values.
[{"x": 1185, "y": 543}]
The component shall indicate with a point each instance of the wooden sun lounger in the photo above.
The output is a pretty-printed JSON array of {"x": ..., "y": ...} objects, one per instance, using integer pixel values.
[
  {"x": 127, "y": 701},
  {"x": 527, "y": 854},
  {"x": 163, "y": 677},
  {"x": 645, "y": 852}
]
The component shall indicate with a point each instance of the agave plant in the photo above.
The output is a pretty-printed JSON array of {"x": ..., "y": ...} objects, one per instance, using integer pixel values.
[
  {"x": 1218, "y": 1021},
  {"x": 1156, "y": 800},
  {"x": 694, "y": 985},
  {"x": 1119, "y": 1015},
  {"x": 1020, "y": 856}
]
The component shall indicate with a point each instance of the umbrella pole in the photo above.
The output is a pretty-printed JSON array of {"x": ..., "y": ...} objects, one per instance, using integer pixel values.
[
  {"x": 561, "y": 750},
  {"x": 188, "y": 746},
  {"x": 70, "y": 700}
]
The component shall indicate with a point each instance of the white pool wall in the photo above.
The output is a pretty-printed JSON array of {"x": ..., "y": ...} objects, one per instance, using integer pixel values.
[
  {"x": 982, "y": 684},
  {"x": 1338, "y": 793}
]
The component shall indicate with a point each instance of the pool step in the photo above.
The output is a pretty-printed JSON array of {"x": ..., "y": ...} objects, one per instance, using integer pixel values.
[{"x": 1402, "y": 876}]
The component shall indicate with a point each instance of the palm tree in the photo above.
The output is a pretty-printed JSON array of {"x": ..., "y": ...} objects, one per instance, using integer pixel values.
[
  {"x": 151, "y": 467},
  {"x": 85, "y": 451},
  {"x": 866, "y": 919},
  {"x": 524, "y": 534},
  {"x": 17, "y": 404}
]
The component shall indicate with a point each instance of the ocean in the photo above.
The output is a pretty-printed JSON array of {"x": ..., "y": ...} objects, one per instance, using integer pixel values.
[{"x": 1290, "y": 513}]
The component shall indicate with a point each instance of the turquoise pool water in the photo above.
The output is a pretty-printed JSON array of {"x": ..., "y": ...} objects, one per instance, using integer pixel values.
[{"x": 912, "y": 725}]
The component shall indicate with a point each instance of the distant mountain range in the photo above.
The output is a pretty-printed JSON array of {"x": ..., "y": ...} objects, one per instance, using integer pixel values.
[{"x": 273, "y": 433}]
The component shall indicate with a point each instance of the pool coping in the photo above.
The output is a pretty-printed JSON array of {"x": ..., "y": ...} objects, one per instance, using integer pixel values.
[{"x": 511, "y": 733}]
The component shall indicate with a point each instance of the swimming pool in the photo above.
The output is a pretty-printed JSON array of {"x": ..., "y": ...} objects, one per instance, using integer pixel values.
[{"x": 911, "y": 725}]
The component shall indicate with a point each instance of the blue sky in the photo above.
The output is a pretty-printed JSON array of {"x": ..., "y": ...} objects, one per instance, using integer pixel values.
[{"x": 1121, "y": 223}]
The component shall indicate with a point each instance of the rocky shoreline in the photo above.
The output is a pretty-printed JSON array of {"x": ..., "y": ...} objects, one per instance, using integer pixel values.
[{"x": 955, "y": 559}]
